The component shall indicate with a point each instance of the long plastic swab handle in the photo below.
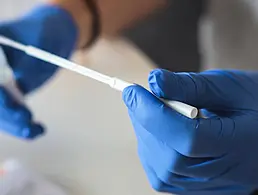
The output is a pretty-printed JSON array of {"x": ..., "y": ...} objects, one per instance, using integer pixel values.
[
  {"x": 118, "y": 84},
  {"x": 115, "y": 83},
  {"x": 184, "y": 109}
]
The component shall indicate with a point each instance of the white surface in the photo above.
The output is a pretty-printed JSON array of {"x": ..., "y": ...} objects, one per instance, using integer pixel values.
[{"x": 19, "y": 180}]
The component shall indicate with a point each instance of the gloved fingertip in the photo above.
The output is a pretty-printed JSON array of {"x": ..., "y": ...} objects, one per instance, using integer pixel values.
[
  {"x": 156, "y": 78},
  {"x": 33, "y": 132},
  {"x": 130, "y": 96},
  {"x": 22, "y": 114}
]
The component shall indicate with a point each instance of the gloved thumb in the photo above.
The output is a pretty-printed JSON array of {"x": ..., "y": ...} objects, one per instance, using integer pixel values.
[
  {"x": 157, "y": 119},
  {"x": 190, "y": 137},
  {"x": 210, "y": 89}
]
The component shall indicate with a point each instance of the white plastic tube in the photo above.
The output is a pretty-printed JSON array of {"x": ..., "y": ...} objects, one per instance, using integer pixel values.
[
  {"x": 115, "y": 83},
  {"x": 184, "y": 109}
]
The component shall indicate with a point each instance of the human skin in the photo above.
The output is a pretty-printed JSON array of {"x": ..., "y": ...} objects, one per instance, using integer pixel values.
[{"x": 115, "y": 15}]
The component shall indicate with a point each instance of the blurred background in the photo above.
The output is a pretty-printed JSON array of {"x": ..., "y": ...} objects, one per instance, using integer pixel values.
[{"x": 90, "y": 145}]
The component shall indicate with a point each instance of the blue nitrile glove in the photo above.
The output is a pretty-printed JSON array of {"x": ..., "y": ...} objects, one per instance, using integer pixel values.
[
  {"x": 213, "y": 156},
  {"x": 49, "y": 28}
]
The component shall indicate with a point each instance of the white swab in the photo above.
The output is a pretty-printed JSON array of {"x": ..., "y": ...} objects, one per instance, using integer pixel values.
[{"x": 115, "y": 83}]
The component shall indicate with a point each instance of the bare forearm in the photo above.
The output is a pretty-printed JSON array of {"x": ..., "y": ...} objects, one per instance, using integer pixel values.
[{"x": 115, "y": 15}]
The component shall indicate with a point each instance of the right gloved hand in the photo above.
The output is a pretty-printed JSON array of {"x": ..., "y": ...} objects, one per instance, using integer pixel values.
[
  {"x": 50, "y": 28},
  {"x": 216, "y": 155}
]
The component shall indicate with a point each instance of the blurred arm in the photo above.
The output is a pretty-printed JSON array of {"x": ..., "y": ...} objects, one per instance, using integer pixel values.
[{"x": 115, "y": 15}]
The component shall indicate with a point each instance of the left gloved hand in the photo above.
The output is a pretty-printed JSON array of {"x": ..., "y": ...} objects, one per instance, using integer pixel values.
[
  {"x": 213, "y": 156},
  {"x": 47, "y": 27},
  {"x": 50, "y": 28}
]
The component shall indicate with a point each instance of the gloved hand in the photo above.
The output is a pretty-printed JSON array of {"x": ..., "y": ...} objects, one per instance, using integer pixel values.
[
  {"x": 212, "y": 156},
  {"x": 50, "y": 28}
]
